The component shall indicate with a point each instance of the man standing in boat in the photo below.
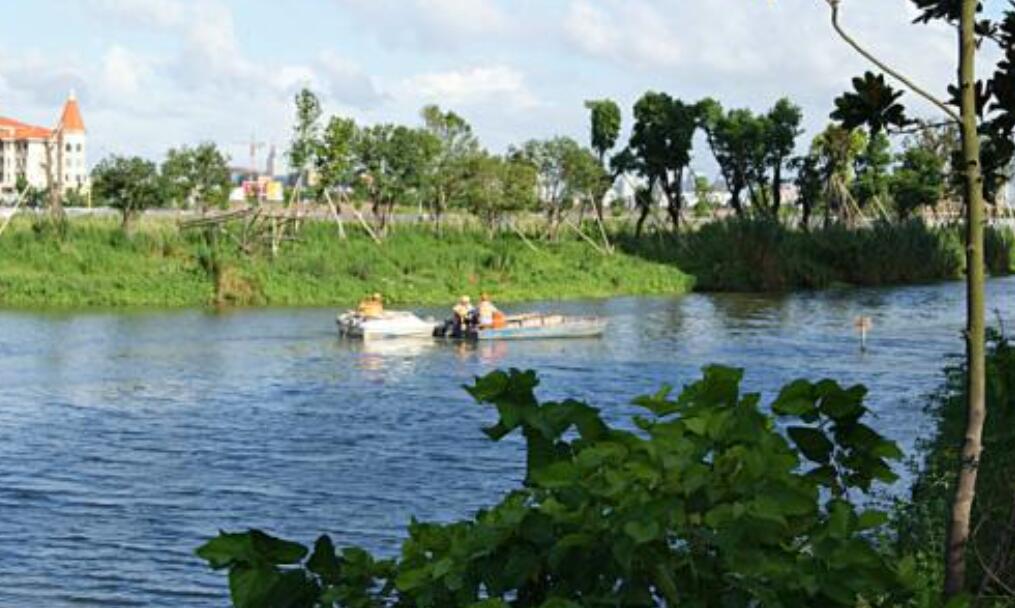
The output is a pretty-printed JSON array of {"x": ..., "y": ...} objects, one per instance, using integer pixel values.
[{"x": 488, "y": 313}]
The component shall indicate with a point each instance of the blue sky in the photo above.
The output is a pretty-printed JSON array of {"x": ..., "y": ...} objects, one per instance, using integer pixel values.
[{"x": 152, "y": 74}]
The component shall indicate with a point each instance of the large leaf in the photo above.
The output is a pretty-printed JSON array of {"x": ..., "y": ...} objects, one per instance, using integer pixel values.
[
  {"x": 323, "y": 562},
  {"x": 253, "y": 548},
  {"x": 812, "y": 443}
]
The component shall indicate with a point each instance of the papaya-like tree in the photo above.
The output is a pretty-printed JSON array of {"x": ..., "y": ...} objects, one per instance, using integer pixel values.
[{"x": 986, "y": 120}]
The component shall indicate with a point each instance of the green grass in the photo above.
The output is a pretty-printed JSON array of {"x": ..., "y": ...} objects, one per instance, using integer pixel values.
[
  {"x": 97, "y": 266},
  {"x": 761, "y": 255}
]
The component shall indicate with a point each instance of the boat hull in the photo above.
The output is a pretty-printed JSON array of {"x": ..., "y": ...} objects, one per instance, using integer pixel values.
[
  {"x": 534, "y": 327},
  {"x": 389, "y": 326}
]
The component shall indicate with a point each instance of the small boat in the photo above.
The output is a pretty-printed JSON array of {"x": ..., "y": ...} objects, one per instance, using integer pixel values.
[
  {"x": 533, "y": 326},
  {"x": 389, "y": 324}
]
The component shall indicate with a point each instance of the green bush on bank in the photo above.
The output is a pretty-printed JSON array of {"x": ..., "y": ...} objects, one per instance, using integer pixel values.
[
  {"x": 764, "y": 255},
  {"x": 95, "y": 264},
  {"x": 706, "y": 504},
  {"x": 924, "y": 521}
]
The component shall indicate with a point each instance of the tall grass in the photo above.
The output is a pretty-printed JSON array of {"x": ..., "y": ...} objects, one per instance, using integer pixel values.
[
  {"x": 96, "y": 265},
  {"x": 763, "y": 255}
]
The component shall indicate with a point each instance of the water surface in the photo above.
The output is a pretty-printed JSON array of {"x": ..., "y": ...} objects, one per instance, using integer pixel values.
[{"x": 126, "y": 440}]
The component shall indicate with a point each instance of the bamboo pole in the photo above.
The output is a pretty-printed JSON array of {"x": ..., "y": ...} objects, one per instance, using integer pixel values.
[
  {"x": 522, "y": 236},
  {"x": 587, "y": 238},
  {"x": 17, "y": 205},
  {"x": 335, "y": 214}
]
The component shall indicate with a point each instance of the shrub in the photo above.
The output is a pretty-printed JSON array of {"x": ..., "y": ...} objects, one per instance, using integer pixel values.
[{"x": 704, "y": 503}]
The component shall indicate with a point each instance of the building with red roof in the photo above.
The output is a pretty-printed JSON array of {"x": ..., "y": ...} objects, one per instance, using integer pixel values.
[{"x": 44, "y": 156}]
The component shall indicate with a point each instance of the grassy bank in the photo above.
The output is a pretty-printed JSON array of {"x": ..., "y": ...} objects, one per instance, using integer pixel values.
[
  {"x": 96, "y": 265},
  {"x": 923, "y": 522},
  {"x": 760, "y": 255}
]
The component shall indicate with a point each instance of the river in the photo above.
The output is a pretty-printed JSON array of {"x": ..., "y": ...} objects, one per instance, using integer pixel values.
[{"x": 127, "y": 439}]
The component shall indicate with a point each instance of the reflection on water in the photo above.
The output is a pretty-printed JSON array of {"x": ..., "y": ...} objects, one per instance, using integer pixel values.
[{"x": 127, "y": 439}]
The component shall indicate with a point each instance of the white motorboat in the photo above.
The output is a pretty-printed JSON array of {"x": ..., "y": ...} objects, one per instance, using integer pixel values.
[{"x": 388, "y": 324}]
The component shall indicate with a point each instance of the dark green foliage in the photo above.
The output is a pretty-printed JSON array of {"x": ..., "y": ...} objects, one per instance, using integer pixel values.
[
  {"x": 704, "y": 504},
  {"x": 873, "y": 103},
  {"x": 605, "y": 121},
  {"x": 130, "y": 185},
  {"x": 765, "y": 255},
  {"x": 197, "y": 177},
  {"x": 660, "y": 146},
  {"x": 922, "y": 521},
  {"x": 918, "y": 182}
]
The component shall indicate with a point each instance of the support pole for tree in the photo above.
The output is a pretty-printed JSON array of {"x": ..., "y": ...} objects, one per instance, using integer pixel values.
[
  {"x": 585, "y": 237},
  {"x": 335, "y": 214},
  {"x": 522, "y": 236},
  {"x": 965, "y": 490},
  {"x": 366, "y": 225},
  {"x": 17, "y": 204}
]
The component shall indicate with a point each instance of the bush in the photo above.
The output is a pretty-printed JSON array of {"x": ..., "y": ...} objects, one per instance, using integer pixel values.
[
  {"x": 704, "y": 504},
  {"x": 760, "y": 254}
]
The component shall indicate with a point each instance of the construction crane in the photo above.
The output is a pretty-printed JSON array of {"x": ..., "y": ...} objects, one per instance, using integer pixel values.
[{"x": 253, "y": 146}]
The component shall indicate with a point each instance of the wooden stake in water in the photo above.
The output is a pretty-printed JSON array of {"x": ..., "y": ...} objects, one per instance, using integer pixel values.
[{"x": 863, "y": 325}]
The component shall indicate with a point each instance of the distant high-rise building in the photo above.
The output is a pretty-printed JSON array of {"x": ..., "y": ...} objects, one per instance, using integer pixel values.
[
  {"x": 270, "y": 167},
  {"x": 42, "y": 156}
]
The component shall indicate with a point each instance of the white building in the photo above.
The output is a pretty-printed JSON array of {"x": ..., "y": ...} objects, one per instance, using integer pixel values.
[{"x": 44, "y": 156}]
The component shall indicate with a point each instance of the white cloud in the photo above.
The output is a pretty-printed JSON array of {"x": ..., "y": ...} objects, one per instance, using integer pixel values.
[
  {"x": 479, "y": 84},
  {"x": 123, "y": 72},
  {"x": 347, "y": 83},
  {"x": 431, "y": 24},
  {"x": 151, "y": 13}
]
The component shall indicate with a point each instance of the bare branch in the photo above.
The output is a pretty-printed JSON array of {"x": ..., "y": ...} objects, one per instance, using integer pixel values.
[{"x": 834, "y": 5}]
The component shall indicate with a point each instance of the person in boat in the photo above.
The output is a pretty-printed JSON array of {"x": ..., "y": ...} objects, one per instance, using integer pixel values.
[
  {"x": 371, "y": 307},
  {"x": 463, "y": 316},
  {"x": 487, "y": 312}
]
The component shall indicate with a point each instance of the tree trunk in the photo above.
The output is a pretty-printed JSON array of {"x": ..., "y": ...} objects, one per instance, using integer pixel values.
[
  {"x": 777, "y": 189},
  {"x": 641, "y": 220},
  {"x": 125, "y": 217},
  {"x": 965, "y": 491},
  {"x": 738, "y": 207}
]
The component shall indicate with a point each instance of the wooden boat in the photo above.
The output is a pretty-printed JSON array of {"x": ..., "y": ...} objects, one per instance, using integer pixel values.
[
  {"x": 389, "y": 324},
  {"x": 533, "y": 326}
]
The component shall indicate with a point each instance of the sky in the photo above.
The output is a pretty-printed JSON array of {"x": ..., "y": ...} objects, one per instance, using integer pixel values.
[{"x": 155, "y": 74}]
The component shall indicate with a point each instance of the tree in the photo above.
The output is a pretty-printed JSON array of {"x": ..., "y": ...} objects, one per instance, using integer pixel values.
[
  {"x": 605, "y": 121},
  {"x": 783, "y": 122},
  {"x": 661, "y": 143},
  {"x": 336, "y": 160},
  {"x": 458, "y": 145},
  {"x": 306, "y": 133},
  {"x": 919, "y": 181},
  {"x": 810, "y": 181},
  {"x": 703, "y": 193},
  {"x": 837, "y": 148},
  {"x": 128, "y": 184},
  {"x": 738, "y": 140},
  {"x": 986, "y": 119},
  {"x": 871, "y": 166},
  {"x": 497, "y": 187},
  {"x": 197, "y": 177},
  {"x": 564, "y": 174},
  {"x": 395, "y": 163}
]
